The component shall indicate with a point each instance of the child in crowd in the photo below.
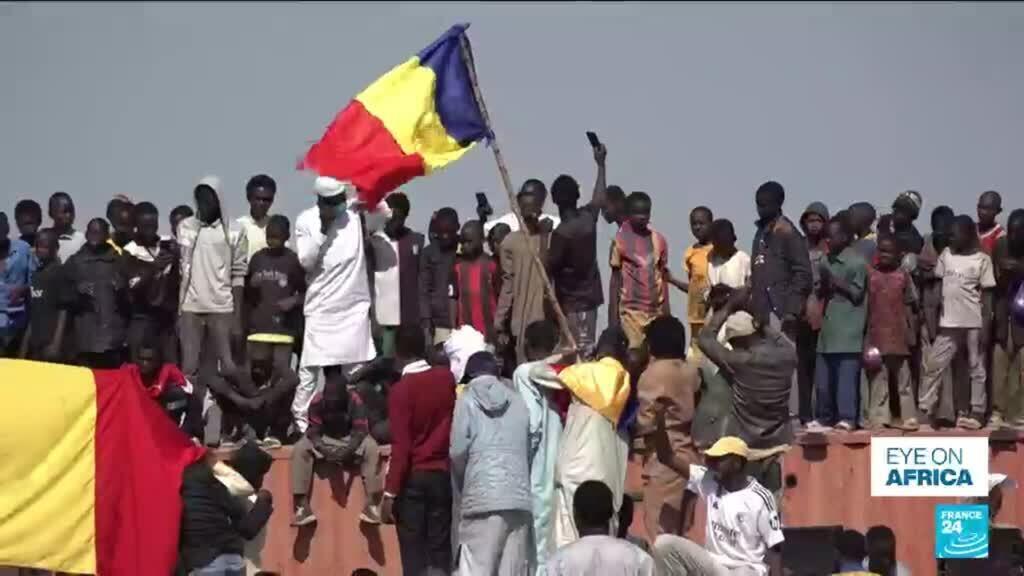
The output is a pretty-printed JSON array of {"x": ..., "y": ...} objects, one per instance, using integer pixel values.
[
  {"x": 28, "y": 217},
  {"x": 862, "y": 219},
  {"x": 16, "y": 268},
  {"x": 967, "y": 286},
  {"x": 892, "y": 300},
  {"x": 990, "y": 206},
  {"x": 495, "y": 237},
  {"x": 150, "y": 267},
  {"x": 396, "y": 261},
  {"x": 101, "y": 300},
  {"x": 639, "y": 271},
  {"x": 62, "y": 214},
  {"x": 841, "y": 340},
  {"x": 814, "y": 223},
  {"x": 259, "y": 193},
  {"x": 726, "y": 264},
  {"x": 1007, "y": 357},
  {"x": 163, "y": 382},
  {"x": 177, "y": 215},
  {"x": 338, "y": 433},
  {"x": 695, "y": 263},
  {"x": 274, "y": 290},
  {"x": 476, "y": 283},
  {"x": 51, "y": 298},
  {"x": 418, "y": 483},
  {"x": 436, "y": 265},
  {"x": 121, "y": 216}
]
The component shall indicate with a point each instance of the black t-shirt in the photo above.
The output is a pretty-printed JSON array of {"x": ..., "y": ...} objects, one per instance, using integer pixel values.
[
  {"x": 572, "y": 262},
  {"x": 272, "y": 278},
  {"x": 51, "y": 293}
]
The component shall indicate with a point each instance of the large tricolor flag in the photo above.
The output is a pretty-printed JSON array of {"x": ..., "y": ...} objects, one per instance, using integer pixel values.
[
  {"x": 90, "y": 472},
  {"x": 417, "y": 118}
]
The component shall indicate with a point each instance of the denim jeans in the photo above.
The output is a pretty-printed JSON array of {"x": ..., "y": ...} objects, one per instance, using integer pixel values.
[
  {"x": 223, "y": 565},
  {"x": 837, "y": 385}
]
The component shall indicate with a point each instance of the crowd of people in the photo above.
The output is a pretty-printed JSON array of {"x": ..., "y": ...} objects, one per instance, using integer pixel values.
[{"x": 508, "y": 436}]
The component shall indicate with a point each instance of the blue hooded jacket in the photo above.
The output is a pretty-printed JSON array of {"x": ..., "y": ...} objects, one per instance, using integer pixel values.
[{"x": 490, "y": 448}]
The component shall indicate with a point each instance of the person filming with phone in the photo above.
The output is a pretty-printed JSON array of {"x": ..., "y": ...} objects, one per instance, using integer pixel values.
[{"x": 572, "y": 258}]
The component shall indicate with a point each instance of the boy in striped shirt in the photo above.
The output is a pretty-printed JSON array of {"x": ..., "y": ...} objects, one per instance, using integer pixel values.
[{"x": 639, "y": 265}]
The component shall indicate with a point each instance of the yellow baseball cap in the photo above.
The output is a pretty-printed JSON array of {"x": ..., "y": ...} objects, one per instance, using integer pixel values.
[{"x": 728, "y": 445}]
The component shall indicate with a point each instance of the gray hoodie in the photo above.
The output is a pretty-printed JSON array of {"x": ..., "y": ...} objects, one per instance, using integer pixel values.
[
  {"x": 212, "y": 262},
  {"x": 490, "y": 448}
]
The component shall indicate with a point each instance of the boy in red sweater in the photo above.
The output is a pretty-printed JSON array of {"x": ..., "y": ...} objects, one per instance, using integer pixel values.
[{"x": 418, "y": 489}]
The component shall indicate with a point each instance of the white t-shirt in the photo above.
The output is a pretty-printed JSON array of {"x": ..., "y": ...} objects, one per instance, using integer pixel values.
[
  {"x": 734, "y": 272},
  {"x": 69, "y": 244},
  {"x": 600, "y": 556},
  {"x": 513, "y": 222},
  {"x": 741, "y": 525},
  {"x": 963, "y": 279},
  {"x": 387, "y": 300}
]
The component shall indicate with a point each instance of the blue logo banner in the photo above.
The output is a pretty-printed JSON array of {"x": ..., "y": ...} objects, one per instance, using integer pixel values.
[{"x": 961, "y": 531}]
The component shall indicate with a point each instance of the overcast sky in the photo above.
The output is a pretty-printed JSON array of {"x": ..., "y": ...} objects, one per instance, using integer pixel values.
[{"x": 698, "y": 103}]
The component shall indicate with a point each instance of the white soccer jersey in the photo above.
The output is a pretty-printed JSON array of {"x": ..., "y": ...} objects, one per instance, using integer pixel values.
[{"x": 741, "y": 525}]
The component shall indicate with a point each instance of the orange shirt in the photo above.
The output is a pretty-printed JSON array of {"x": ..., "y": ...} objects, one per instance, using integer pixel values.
[{"x": 695, "y": 263}]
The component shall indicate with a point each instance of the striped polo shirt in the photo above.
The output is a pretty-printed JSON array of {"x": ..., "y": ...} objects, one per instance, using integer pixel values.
[{"x": 642, "y": 259}]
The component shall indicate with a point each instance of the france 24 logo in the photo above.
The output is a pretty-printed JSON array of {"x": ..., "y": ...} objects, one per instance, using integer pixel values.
[{"x": 961, "y": 531}]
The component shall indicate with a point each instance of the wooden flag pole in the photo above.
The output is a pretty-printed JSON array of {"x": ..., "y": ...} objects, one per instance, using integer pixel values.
[{"x": 549, "y": 292}]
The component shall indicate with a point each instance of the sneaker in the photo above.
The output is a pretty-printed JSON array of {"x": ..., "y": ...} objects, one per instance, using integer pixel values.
[
  {"x": 910, "y": 425},
  {"x": 968, "y": 423},
  {"x": 270, "y": 443},
  {"x": 818, "y": 427},
  {"x": 996, "y": 420},
  {"x": 303, "y": 516},
  {"x": 370, "y": 515},
  {"x": 844, "y": 426}
]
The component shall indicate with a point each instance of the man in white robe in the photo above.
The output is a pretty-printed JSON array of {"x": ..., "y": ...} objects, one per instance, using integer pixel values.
[
  {"x": 591, "y": 447},
  {"x": 329, "y": 241}
]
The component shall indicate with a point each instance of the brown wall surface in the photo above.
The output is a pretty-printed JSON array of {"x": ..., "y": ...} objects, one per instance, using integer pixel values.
[{"x": 832, "y": 487}]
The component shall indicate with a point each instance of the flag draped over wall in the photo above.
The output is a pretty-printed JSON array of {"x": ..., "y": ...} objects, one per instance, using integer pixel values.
[
  {"x": 417, "y": 118},
  {"x": 90, "y": 472}
]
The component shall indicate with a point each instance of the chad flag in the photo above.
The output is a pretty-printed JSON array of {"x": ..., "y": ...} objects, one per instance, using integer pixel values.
[
  {"x": 90, "y": 472},
  {"x": 415, "y": 119}
]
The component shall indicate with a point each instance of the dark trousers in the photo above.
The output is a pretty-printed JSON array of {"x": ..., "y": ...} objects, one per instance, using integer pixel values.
[
  {"x": 272, "y": 419},
  {"x": 205, "y": 350},
  {"x": 837, "y": 383},
  {"x": 423, "y": 517},
  {"x": 806, "y": 346}
]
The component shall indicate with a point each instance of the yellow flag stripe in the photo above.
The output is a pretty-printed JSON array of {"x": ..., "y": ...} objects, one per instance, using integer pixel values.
[
  {"x": 47, "y": 466},
  {"x": 403, "y": 100}
]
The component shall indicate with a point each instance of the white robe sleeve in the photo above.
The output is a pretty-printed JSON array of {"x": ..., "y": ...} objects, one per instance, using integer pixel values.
[{"x": 308, "y": 239}]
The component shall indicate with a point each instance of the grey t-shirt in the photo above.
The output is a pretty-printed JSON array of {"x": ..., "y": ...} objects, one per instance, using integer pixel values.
[{"x": 963, "y": 279}]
